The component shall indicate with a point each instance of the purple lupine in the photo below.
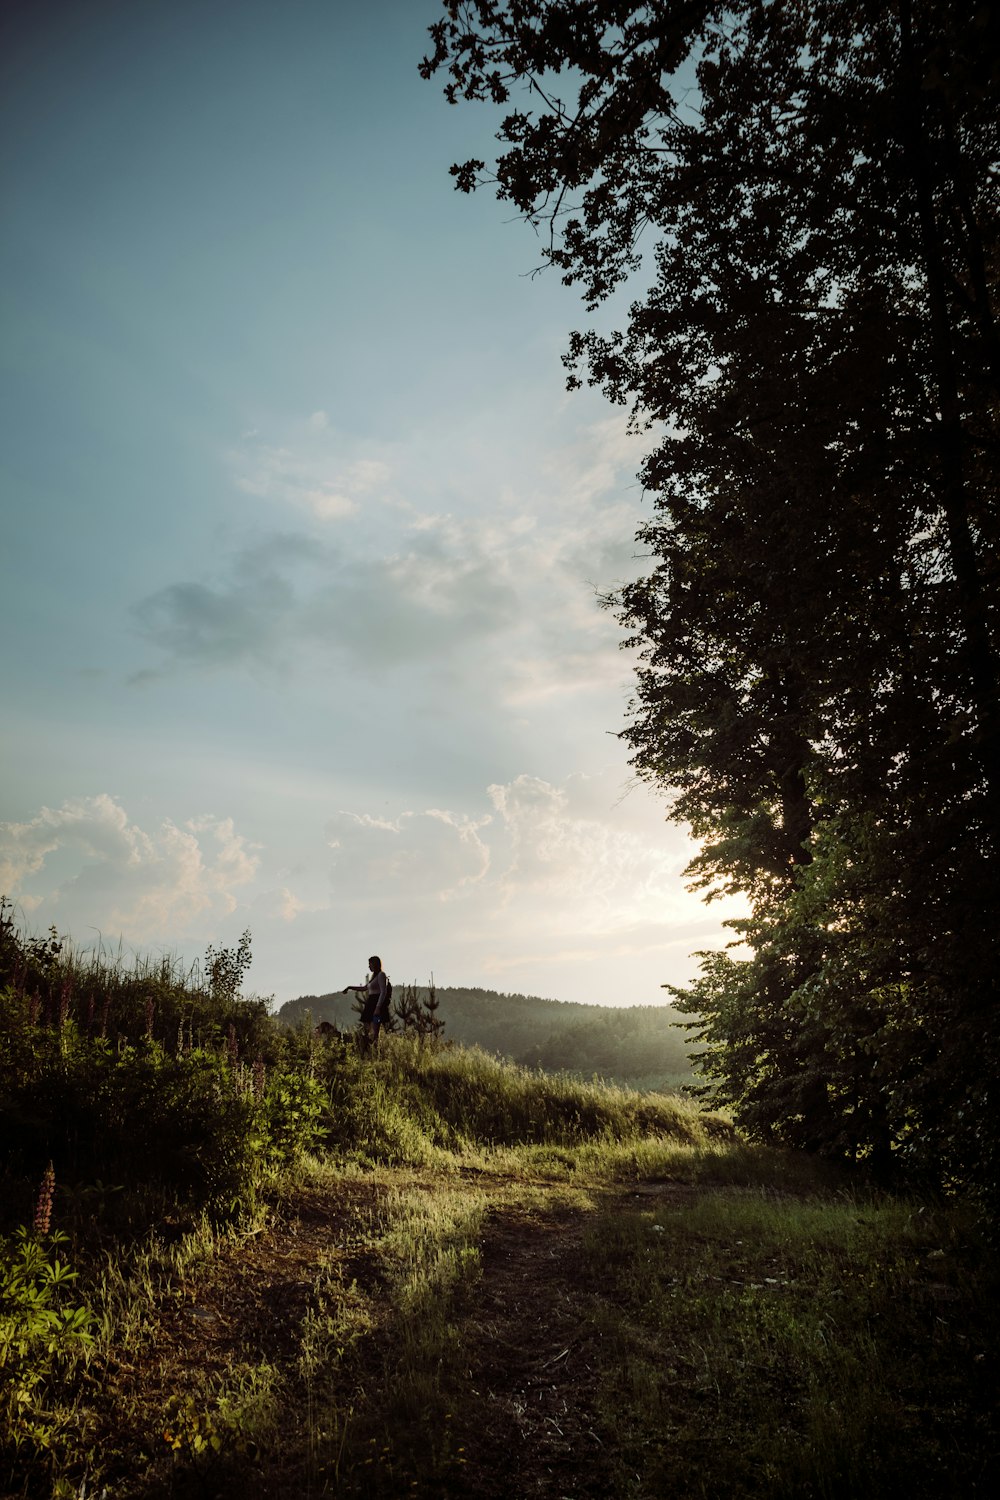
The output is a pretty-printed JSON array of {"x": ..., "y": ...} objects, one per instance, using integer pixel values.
[
  {"x": 149, "y": 1016},
  {"x": 259, "y": 1078},
  {"x": 233, "y": 1046},
  {"x": 43, "y": 1209}
]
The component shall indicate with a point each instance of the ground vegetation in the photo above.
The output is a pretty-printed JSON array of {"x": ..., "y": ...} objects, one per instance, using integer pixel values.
[
  {"x": 451, "y": 1277},
  {"x": 641, "y": 1046}
]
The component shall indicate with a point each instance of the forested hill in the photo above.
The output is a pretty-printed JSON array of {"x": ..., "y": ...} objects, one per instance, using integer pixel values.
[{"x": 639, "y": 1045}]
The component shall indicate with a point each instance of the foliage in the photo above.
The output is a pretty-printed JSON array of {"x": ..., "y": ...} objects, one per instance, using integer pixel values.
[
  {"x": 143, "y": 1104},
  {"x": 41, "y": 1334},
  {"x": 810, "y": 192},
  {"x": 417, "y": 1010},
  {"x": 379, "y": 1183},
  {"x": 226, "y": 968}
]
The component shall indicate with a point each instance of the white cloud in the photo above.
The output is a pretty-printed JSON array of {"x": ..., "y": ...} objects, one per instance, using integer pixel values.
[
  {"x": 552, "y": 888},
  {"x": 494, "y": 599},
  {"x": 329, "y": 505},
  {"x": 547, "y": 887},
  {"x": 430, "y": 855},
  {"x": 88, "y": 865},
  {"x": 319, "y": 476}
]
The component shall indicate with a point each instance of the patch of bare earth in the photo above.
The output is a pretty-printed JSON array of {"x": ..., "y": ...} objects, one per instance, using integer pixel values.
[{"x": 532, "y": 1355}]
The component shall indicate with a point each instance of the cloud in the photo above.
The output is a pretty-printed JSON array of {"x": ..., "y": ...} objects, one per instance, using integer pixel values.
[
  {"x": 538, "y": 885},
  {"x": 559, "y": 888},
  {"x": 537, "y": 854},
  {"x": 312, "y": 472},
  {"x": 87, "y": 862},
  {"x": 275, "y": 612},
  {"x": 432, "y": 855},
  {"x": 510, "y": 567},
  {"x": 592, "y": 870}
]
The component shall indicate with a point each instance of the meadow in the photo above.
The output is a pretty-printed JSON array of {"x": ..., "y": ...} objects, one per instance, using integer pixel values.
[{"x": 236, "y": 1259}]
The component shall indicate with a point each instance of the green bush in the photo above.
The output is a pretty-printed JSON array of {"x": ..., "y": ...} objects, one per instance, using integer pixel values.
[
  {"x": 42, "y": 1334},
  {"x": 194, "y": 1128}
]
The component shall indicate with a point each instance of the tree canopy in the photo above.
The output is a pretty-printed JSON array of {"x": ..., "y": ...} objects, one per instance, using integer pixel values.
[{"x": 803, "y": 198}]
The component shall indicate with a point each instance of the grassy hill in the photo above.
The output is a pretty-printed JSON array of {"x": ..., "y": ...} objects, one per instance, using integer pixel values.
[
  {"x": 235, "y": 1259},
  {"x": 640, "y": 1046}
]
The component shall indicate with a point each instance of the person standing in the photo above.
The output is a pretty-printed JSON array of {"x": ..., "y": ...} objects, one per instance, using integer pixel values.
[{"x": 376, "y": 992}]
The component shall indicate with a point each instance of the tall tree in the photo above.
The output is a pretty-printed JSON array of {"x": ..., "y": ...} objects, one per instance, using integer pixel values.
[{"x": 806, "y": 194}]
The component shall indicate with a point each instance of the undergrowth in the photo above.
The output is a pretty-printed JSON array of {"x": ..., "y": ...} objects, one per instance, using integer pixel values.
[
  {"x": 767, "y": 1329},
  {"x": 762, "y": 1345}
]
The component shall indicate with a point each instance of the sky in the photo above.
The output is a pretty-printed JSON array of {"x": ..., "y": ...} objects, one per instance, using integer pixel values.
[{"x": 302, "y": 536}]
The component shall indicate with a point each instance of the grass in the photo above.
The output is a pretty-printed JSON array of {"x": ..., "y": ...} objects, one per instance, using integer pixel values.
[
  {"x": 433, "y": 1273},
  {"x": 756, "y": 1344}
]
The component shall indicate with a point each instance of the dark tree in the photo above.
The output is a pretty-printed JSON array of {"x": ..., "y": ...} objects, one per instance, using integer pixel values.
[{"x": 805, "y": 194}]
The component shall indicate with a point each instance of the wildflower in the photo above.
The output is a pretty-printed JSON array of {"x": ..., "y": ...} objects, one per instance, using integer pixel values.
[
  {"x": 65, "y": 995},
  {"x": 259, "y": 1078},
  {"x": 233, "y": 1046},
  {"x": 149, "y": 1016},
  {"x": 43, "y": 1209}
]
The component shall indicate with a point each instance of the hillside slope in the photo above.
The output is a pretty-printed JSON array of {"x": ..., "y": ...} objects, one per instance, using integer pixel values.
[{"x": 642, "y": 1046}]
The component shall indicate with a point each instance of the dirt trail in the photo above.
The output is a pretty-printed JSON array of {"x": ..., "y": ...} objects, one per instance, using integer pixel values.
[
  {"x": 531, "y": 1354},
  {"x": 530, "y": 1427},
  {"x": 529, "y": 1365}
]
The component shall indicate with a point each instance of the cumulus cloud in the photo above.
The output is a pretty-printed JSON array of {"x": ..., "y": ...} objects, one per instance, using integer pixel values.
[
  {"x": 537, "y": 857},
  {"x": 88, "y": 864},
  {"x": 544, "y": 886},
  {"x": 553, "y": 888},
  {"x": 594, "y": 869}
]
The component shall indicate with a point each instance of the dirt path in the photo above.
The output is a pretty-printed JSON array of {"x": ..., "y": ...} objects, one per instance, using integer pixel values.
[
  {"x": 530, "y": 1425},
  {"x": 530, "y": 1365},
  {"x": 531, "y": 1347}
]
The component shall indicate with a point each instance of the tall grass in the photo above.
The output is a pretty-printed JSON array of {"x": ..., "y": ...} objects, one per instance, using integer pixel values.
[
  {"x": 759, "y": 1345},
  {"x": 420, "y": 1101}
]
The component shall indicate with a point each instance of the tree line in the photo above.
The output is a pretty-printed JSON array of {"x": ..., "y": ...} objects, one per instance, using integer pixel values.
[
  {"x": 803, "y": 198},
  {"x": 641, "y": 1046}
]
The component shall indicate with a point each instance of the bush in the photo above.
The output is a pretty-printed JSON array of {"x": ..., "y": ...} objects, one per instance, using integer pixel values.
[{"x": 41, "y": 1335}]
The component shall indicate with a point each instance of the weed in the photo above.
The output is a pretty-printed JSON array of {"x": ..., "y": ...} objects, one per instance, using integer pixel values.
[{"x": 43, "y": 1338}]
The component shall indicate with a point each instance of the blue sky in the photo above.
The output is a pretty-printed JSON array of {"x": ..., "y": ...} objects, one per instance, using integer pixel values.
[{"x": 301, "y": 531}]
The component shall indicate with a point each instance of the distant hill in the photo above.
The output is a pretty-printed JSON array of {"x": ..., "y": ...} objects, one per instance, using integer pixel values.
[{"x": 637, "y": 1045}]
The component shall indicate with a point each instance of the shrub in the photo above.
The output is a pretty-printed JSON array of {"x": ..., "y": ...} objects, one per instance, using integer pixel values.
[{"x": 42, "y": 1334}]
